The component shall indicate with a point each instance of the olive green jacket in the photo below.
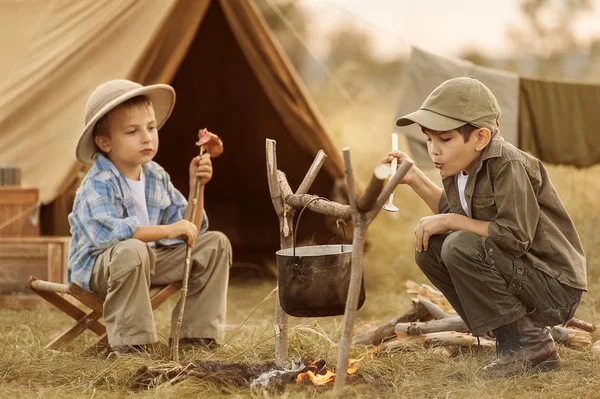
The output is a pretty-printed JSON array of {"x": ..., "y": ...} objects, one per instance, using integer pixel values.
[{"x": 513, "y": 190}]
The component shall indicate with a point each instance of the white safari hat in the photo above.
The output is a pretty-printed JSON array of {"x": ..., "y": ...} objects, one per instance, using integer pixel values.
[{"x": 109, "y": 95}]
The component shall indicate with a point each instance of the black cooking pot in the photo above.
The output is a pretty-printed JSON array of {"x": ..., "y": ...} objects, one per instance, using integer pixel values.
[{"x": 313, "y": 280}]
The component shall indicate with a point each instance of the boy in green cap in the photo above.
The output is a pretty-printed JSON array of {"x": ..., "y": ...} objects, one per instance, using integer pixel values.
[{"x": 501, "y": 246}]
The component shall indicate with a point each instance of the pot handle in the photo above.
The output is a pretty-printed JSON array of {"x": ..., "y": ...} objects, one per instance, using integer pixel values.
[{"x": 338, "y": 222}]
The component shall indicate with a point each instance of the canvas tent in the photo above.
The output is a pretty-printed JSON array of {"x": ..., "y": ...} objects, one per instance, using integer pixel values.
[{"x": 229, "y": 76}]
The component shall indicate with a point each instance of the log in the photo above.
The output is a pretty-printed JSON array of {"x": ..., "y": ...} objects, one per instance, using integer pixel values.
[
  {"x": 582, "y": 325},
  {"x": 368, "y": 199},
  {"x": 433, "y": 309},
  {"x": 322, "y": 206},
  {"x": 571, "y": 337},
  {"x": 442, "y": 338},
  {"x": 379, "y": 334},
  {"x": 454, "y": 323},
  {"x": 428, "y": 292}
]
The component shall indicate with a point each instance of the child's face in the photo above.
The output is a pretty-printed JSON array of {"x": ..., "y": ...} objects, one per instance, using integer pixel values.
[
  {"x": 450, "y": 153},
  {"x": 133, "y": 139}
]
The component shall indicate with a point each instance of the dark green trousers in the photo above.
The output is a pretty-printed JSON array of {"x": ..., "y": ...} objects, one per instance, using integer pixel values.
[{"x": 490, "y": 288}]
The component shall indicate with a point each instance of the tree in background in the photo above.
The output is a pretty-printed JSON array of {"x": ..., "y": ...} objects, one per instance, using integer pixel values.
[
  {"x": 550, "y": 35},
  {"x": 273, "y": 11},
  {"x": 349, "y": 73},
  {"x": 547, "y": 45}
]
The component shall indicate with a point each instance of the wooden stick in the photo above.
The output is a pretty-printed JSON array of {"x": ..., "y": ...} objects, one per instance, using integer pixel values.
[
  {"x": 312, "y": 173},
  {"x": 369, "y": 197},
  {"x": 454, "y": 323},
  {"x": 583, "y": 325},
  {"x": 442, "y": 338},
  {"x": 392, "y": 183},
  {"x": 355, "y": 278},
  {"x": 434, "y": 309},
  {"x": 324, "y": 207},
  {"x": 571, "y": 337},
  {"x": 186, "y": 275},
  {"x": 285, "y": 215},
  {"x": 379, "y": 334}
]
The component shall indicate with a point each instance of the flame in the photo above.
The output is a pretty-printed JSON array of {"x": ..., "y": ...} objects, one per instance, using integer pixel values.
[
  {"x": 316, "y": 379},
  {"x": 312, "y": 374},
  {"x": 353, "y": 365}
]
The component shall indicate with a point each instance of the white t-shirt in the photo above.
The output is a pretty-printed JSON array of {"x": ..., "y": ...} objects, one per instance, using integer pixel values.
[
  {"x": 138, "y": 188},
  {"x": 461, "y": 181}
]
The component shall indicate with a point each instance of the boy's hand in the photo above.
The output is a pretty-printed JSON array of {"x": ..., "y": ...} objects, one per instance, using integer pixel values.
[
  {"x": 410, "y": 175},
  {"x": 201, "y": 168},
  {"x": 182, "y": 229},
  {"x": 428, "y": 226}
]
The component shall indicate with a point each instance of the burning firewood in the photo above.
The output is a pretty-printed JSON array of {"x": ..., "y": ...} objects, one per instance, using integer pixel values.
[{"x": 313, "y": 372}]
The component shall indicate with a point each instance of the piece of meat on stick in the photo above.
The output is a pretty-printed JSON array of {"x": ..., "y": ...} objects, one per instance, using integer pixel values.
[{"x": 210, "y": 142}]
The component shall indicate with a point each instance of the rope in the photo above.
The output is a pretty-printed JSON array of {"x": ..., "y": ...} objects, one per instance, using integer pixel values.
[
  {"x": 366, "y": 22},
  {"x": 19, "y": 215}
]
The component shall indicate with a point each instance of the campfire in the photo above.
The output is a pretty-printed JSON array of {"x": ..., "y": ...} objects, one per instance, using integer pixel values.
[
  {"x": 319, "y": 374},
  {"x": 313, "y": 372}
]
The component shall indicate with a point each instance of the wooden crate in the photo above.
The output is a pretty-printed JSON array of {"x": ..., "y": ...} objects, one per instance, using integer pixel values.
[
  {"x": 45, "y": 258},
  {"x": 15, "y": 200}
]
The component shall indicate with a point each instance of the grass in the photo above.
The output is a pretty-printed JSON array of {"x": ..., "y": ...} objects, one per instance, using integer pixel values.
[{"x": 28, "y": 370}]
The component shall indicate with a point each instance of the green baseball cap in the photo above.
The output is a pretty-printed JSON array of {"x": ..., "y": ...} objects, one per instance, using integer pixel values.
[{"x": 455, "y": 103}]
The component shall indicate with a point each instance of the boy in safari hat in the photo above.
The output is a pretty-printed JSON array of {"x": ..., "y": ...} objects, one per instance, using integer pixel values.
[
  {"x": 501, "y": 246},
  {"x": 128, "y": 222}
]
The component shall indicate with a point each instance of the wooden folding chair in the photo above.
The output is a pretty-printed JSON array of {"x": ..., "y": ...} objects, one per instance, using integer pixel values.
[{"x": 51, "y": 292}]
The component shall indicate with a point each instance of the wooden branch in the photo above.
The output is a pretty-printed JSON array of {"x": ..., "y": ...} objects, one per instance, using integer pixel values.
[
  {"x": 425, "y": 291},
  {"x": 582, "y": 325},
  {"x": 443, "y": 338},
  {"x": 186, "y": 272},
  {"x": 358, "y": 246},
  {"x": 571, "y": 337},
  {"x": 369, "y": 197},
  {"x": 454, "y": 323},
  {"x": 350, "y": 182},
  {"x": 272, "y": 176},
  {"x": 351, "y": 305},
  {"x": 312, "y": 173},
  {"x": 377, "y": 335},
  {"x": 324, "y": 207},
  {"x": 392, "y": 183},
  {"x": 434, "y": 309},
  {"x": 285, "y": 215}
]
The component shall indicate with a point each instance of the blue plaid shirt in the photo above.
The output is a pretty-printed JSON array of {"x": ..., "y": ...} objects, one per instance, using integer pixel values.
[{"x": 104, "y": 213}]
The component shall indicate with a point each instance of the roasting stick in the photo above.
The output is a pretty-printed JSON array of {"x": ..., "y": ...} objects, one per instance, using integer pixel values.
[
  {"x": 215, "y": 146},
  {"x": 390, "y": 207}
]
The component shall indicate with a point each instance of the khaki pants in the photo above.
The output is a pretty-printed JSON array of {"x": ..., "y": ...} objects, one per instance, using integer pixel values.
[
  {"x": 123, "y": 274},
  {"x": 490, "y": 288}
]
